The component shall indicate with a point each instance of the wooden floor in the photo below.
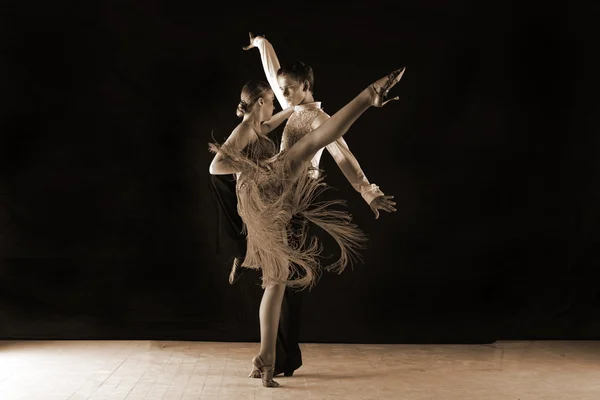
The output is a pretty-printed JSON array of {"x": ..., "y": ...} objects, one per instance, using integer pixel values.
[{"x": 77, "y": 370}]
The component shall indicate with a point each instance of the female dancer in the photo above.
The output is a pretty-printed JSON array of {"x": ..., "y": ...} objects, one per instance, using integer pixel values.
[{"x": 273, "y": 187}]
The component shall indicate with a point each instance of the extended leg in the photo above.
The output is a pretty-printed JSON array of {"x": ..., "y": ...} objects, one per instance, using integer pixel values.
[{"x": 339, "y": 123}]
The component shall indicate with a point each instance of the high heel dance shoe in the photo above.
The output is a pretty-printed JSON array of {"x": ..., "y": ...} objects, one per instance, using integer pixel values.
[
  {"x": 255, "y": 373},
  {"x": 266, "y": 372},
  {"x": 236, "y": 271},
  {"x": 383, "y": 86}
]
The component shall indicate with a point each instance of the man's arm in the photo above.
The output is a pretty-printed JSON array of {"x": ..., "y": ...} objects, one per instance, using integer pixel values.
[
  {"x": 270, "y": 64},
  {"x": 349, "y": 165}
]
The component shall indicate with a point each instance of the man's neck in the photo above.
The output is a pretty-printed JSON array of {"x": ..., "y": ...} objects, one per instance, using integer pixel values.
[{"x": 309, "y": 98}]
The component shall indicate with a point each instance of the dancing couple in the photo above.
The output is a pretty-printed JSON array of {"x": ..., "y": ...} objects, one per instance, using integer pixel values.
[{"x": 277, "y": 195}]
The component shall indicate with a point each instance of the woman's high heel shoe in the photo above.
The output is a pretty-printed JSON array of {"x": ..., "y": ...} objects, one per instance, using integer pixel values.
[
  {"x": 236, "y": 271},
  {"x": 266, "y": 372},
  {"x": 255, "y": 373},
  {"x": 383, "y": 86}
]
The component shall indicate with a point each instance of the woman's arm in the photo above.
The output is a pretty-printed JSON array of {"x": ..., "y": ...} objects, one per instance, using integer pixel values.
[
  {"x": 237, "y": 141},
  {"x": 276, "y": 120}
]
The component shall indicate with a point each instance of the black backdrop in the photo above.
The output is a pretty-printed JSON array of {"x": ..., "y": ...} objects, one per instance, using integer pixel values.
[{"x": 106, "y": 218}]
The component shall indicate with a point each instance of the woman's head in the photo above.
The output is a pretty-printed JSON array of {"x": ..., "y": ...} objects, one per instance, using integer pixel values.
[
  {"x": 296, "y": 81},
  {"x": 258, "y": 97}
]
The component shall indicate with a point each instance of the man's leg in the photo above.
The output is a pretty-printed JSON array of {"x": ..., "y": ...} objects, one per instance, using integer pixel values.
[{"x": 288, "y": 355}]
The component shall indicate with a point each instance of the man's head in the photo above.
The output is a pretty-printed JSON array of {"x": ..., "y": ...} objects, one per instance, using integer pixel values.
[{"x": 297, "y": 82}]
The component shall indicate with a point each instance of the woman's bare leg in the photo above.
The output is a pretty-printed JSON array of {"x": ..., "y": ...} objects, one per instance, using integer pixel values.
[
  {"x": 339, "y": 123},
  {"x": 269, "y": 313}
]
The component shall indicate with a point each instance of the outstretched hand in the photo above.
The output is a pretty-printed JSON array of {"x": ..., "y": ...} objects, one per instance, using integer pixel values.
[
  {"x": 251, "y": 45},
  {"x": 382, "y": 203}
]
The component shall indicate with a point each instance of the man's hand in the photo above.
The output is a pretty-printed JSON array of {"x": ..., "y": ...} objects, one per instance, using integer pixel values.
[
  {"x": 251, "y": 45},
  {"x": 382, "y": 203}
]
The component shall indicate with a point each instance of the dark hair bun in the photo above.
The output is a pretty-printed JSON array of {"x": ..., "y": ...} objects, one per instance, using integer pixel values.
[{"x": 241, "y": 108}]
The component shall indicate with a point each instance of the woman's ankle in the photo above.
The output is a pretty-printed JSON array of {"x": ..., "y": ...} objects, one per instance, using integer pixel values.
[{"x": 268, "y": 359}]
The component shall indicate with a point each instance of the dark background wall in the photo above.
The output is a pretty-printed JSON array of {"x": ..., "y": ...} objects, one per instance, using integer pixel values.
[{"x": 107, "y": 221}]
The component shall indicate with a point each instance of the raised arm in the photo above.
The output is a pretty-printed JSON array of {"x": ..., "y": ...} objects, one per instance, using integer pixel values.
[
  {"x": 237, "y": 141},
  {"x": 270, "y": 64}
]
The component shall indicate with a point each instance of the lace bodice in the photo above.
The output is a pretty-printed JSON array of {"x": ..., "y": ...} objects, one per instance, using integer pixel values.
[{"x": 298, "y": 125}]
